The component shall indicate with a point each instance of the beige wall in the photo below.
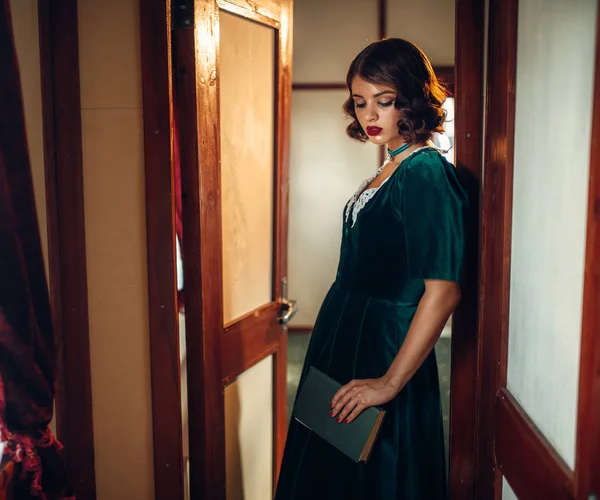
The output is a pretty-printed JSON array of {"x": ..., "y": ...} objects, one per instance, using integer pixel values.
[
  {"x": 114, "y": 198},
  {"x": 427, "y": 23},
  {"x": 326, "y": 166}
]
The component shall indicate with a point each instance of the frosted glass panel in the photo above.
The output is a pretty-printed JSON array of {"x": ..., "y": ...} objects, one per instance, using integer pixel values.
[
  {"x": 427, "y": 23},
  {"x": 249, "y": 434},
  {"x": 507, "y": 492},
  {"x": 555, "y": 63},
  {"x": 327, "y": 36},
  {"x": 326, "y": 167},
  {"x": 247, "y": 163}
]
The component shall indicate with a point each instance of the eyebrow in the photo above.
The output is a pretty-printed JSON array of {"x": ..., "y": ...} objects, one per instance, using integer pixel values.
[{"x": 376, "y": 95}]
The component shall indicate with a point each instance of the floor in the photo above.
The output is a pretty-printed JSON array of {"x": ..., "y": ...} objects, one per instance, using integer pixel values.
[{"x": 298, "y": 343}]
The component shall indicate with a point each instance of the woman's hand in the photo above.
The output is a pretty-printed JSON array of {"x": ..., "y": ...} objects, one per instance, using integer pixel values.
[{"x": 359, "y": 395}]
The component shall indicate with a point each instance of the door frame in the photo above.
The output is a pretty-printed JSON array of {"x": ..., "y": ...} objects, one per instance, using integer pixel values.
[
  {"x": 210, "y": 364},
  {"x": 533, "y": 468},
  {"x": 65, "y": 214},
  {"x": 469, "y": 84},
  {"x": 165, "y": 374}
]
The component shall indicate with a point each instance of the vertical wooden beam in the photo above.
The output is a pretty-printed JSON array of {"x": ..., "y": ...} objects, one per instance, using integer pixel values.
[
  {"x": 283, "y": 88},
  {"x": 496, "y": 235},
  {"x": 196, "y": 99},
  {"x": 59, "y": 55},
  {"x": 587, "y": 462},
  {"x": 160, "y": 228},
  {"x": 468, "y": 86},
  {"x": 381, "y": 34},
  {"x": 50, "y": 167},
  {"x": 381, "y": 19}
]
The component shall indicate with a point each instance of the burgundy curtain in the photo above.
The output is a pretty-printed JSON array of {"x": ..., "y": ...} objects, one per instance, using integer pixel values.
[{"x": 27, "y": 357}]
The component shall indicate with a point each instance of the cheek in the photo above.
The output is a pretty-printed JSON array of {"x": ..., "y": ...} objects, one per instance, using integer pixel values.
[
  {"x": 393, "y": 116},
  {"x": 360, "y": 115}
]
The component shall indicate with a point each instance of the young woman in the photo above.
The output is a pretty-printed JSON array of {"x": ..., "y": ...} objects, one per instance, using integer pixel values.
[{"x": 397, "y": 284}]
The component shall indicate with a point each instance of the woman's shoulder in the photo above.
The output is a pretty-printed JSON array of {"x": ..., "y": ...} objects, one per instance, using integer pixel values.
[
  {"x": 428, "y": 169},
  {"x": 427, "y": 160}
]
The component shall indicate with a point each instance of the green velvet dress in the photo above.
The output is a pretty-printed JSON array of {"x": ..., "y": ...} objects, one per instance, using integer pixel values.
[{"x": 411, "y": 229}]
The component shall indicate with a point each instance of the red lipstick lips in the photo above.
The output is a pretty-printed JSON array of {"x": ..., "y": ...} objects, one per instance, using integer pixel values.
[{"x": 374, "y": 130}]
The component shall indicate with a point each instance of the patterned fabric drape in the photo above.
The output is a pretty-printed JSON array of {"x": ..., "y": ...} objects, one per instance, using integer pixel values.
[{"x": 27, "y": 357}]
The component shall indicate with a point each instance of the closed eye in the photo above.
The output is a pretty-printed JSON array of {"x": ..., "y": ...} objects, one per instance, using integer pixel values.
[{"x": 386, "y": 104}]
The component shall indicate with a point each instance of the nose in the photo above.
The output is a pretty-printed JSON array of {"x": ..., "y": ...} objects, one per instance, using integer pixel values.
[{"x": 371, "y": 114}]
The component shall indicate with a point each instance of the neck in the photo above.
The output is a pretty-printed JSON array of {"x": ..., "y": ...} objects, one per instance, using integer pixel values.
[
  {"x": 393, "y": 153},
  {"x": 396, "y": 144}
]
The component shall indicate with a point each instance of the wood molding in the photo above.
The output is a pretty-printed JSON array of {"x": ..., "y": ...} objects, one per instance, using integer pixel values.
[
  {"x": 381, "y": 19},
  {"x": 588, "y": 422},
  {"x": 160, "y": 230},
  {"x": 470, "y": 18},
  {"x": 249, "y": 340},
  {"x": 253, "y": 15},
  {"x": 50, "y": 171},
  {"x": 530, "y": 464},
  {"x": 300, "y": 329},
  {"x": 266, "y": 11},
  {"x": 495, "y": 236},
  {"x": 446, "y": 74},
  {"x": 284, "y": 57},
  {"x": 319, "y": 86},
  {"x": 59, "y": 54},
  {"x": 496, "y": 233},
  {"x": 196, "y": 101}
]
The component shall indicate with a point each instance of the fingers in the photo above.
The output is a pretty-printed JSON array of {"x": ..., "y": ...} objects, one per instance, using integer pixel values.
[
  {"x": 342, "y": 392},
  {"x": 344, "y": 400},
  {"x": 355, "y": 413},
  {"x": 352, "y": 407}
]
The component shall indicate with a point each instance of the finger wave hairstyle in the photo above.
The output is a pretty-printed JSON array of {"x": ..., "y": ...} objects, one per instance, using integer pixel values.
[{"x": 400, "y": 64}]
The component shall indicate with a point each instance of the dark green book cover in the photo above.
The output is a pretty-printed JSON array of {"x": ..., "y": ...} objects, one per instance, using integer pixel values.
[{"x": 313, "y": 409}]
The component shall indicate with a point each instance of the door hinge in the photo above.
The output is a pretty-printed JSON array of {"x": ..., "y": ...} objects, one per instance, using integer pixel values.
[{"x": 182, "y": 14}]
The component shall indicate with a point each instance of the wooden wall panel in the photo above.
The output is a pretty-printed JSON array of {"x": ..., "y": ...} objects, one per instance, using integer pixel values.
[
  {"x": 468, "y": 92},
  {"x": 495, "y": 236},
  {"x": 160, "y": 233},
  {"x": 196, "y": 102},
  {"x": 59, "y": 52}
]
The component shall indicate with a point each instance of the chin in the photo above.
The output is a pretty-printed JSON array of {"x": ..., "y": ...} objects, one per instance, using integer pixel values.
[{"x": 379, "y": 141}]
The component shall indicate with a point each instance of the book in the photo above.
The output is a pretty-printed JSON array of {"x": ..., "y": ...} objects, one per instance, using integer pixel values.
[{"x": 313, "y": 408}]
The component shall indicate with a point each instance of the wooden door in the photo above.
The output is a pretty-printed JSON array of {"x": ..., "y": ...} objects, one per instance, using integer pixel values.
[
  {"x": 232, "y": 90},
  {"x": 539, "y": 376}
]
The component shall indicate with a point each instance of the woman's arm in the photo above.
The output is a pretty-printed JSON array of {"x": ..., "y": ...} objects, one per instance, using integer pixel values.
[{"x": 434, "y": 309}]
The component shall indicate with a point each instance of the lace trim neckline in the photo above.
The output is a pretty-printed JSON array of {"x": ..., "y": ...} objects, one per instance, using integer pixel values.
[{"x": 362, "y": 196}]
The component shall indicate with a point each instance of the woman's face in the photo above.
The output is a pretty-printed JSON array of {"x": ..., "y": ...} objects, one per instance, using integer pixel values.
[{"x": 376, "y": 113}]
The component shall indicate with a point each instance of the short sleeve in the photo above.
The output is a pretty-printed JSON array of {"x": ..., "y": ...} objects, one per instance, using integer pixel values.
[{"x": 434, "y": 209}]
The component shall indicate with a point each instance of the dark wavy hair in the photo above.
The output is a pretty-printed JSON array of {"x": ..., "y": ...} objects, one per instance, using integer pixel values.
[{"x": 399, "y": 64}]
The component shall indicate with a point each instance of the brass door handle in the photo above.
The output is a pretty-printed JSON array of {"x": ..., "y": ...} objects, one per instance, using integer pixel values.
[{"x": 288, "y": 309}]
